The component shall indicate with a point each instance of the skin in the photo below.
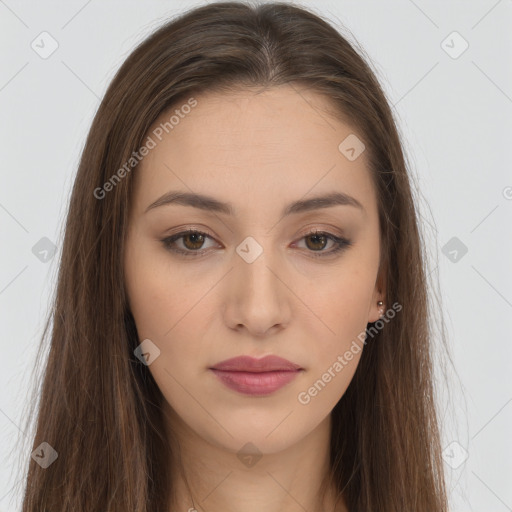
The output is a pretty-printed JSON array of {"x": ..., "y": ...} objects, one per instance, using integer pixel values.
[{"x": 258, "y": 151}]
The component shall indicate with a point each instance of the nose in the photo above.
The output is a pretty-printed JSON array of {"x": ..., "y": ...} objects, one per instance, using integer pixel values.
[{"x": 257, "y": 296}]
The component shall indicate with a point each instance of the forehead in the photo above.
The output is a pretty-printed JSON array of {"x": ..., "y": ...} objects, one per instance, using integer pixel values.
[
  {"x": 264, "y": 145},
  {"x": 274, "y": 121}
]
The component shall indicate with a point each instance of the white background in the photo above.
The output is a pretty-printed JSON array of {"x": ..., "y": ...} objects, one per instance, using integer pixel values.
[{"x": 455, "y": 115}]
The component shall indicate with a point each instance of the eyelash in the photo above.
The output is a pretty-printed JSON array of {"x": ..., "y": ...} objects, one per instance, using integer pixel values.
[{"x": 340, "y": 243}]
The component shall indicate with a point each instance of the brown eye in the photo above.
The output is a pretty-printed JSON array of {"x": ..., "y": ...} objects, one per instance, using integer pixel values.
[
  {"x": 319, "y": 241},
  {"x": 193, "y": 241}
]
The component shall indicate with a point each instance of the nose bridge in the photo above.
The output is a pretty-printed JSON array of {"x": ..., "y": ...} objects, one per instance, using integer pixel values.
[
  {"x": 257, "y": 267},
  {"x": 259, "y": 297}
]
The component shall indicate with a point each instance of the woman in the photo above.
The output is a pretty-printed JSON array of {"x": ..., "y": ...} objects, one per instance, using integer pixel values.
[{"x": 241, "y": 317}]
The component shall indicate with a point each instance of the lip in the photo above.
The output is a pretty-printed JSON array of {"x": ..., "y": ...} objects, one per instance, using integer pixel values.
[
  {"x": 252, "y": 376},
  {"x": 251, "y": 364}
]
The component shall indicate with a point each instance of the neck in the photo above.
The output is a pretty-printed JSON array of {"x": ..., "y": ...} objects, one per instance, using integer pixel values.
[{"x": 208, "y": 476}]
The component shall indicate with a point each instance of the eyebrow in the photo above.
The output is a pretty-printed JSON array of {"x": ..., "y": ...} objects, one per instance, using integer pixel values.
[{"x": 208, "y": 203}]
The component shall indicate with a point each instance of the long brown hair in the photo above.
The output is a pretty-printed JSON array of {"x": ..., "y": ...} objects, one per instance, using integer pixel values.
[{"x": 99, "y": 407}]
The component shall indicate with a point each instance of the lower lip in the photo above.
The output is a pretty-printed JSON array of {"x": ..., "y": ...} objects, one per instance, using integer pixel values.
[{"x": 252, "y": 383}]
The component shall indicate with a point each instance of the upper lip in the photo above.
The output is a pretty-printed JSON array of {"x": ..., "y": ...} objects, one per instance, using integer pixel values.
[{"x": 250, "y": 364}]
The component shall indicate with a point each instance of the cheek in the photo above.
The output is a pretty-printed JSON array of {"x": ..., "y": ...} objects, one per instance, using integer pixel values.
[
  {"x": 151, "y": 301},
  {"x": 158, "y": 296},
  {"x": 335, "y": 346},
  {"x": 340, "y": 302},
  {"x": 336, "y": 332},
  {"x": 167, "y": 307},
  {"x": 342, "y": 343}
]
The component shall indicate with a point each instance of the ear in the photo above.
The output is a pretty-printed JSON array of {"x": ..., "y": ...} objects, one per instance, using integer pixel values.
[{"x": 379, "y": 294}]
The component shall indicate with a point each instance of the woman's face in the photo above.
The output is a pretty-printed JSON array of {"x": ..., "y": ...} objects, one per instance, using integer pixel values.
[{"x": 255, "y": 280}]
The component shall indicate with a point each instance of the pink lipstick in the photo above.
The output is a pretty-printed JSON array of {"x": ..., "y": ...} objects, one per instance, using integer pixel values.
[{"x": 252, "y": 376}]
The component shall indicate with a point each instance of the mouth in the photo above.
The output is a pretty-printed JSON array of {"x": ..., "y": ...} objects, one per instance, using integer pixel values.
[{"x": 252, "y": 376}]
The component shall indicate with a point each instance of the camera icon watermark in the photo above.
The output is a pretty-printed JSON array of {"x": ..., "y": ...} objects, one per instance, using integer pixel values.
[
  {"x": 454, "y": 45},
  {"x": 44, "y": 249},
  {"x": 249, "y": 250},
  {"x": 351, "y": 147},
  {"x": 44, "y": 455},
  {"x": 454, "y": 249},
  {"x": 44, "y": 45},
  {"x": 249, "y": 455},
  {"x": 147, "y": 352},
  {"x": 455, "y": 455}
]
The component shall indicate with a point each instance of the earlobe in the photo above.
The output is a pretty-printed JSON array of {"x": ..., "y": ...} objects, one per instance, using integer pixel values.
[
  {"x": 378, "y": 307},
  {"x": 380, "y": 304},
  {"x": 380, "y": 312}
]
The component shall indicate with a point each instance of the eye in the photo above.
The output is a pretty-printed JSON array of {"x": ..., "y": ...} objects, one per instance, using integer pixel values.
[
  {"x": 318, "y": 240},
  {"x": 192, "y": 241}
]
